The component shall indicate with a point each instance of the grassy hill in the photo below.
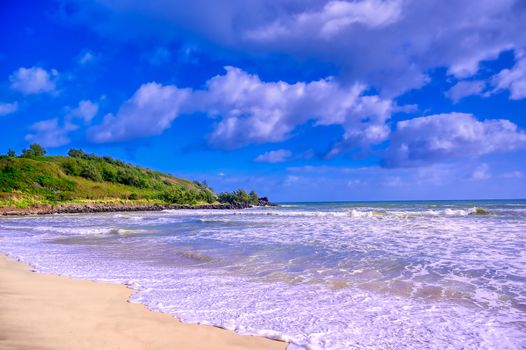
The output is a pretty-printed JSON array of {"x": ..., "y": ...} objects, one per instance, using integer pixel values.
[{"x": 35, "y": 179}]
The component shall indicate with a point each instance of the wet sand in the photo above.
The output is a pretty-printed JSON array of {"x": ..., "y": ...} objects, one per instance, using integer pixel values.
[{"x": 42, "y": 311}]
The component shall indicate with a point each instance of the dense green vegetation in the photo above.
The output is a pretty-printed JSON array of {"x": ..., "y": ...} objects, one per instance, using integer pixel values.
[
  {"x": 34, "y": 178},
  {"x": 240, "y": 196}
]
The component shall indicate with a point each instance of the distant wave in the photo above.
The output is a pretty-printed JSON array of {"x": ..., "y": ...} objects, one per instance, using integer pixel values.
[{"x": 355, "y": 213}]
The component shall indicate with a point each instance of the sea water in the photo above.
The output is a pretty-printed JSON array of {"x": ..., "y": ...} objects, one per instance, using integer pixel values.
[{"x": 392, "y": 275}]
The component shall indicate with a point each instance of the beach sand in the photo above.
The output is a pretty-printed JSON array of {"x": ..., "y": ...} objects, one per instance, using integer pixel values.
[{"x": 42, "y": 311}]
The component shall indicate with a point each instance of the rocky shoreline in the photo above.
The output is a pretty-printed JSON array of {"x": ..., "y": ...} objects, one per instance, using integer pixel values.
[{"x": 108, "y": 207}]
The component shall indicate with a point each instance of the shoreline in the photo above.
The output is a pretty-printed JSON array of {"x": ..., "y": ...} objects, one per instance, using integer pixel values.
[
  {"x": 108, "y": 208},
  {"x": 45, "y": 311}
]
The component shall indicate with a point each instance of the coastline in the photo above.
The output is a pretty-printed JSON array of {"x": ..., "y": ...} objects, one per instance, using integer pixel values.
[
  {"x": 47, "y": 311},
  {"x": 107, "y": 208}
]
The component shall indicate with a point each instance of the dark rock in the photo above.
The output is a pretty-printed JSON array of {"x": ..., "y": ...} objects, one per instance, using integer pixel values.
[
  {"x": 264, "y": 202},
  {"x": 109, "y": 207}
]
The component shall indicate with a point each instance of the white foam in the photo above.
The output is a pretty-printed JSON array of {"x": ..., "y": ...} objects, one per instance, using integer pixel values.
[{"x": 322, "y": 278}]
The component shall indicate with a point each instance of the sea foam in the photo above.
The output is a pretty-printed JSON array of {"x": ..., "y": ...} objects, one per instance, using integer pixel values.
[{"x": 387, "y": 276}]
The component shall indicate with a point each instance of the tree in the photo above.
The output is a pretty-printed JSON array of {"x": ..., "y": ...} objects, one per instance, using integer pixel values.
[
  {"x": 35, "y": 150},
  {"x": 225, "y": 197},
  {"x": 242, "y": 196},
  {"x": 254, "y": 199},
  {"x": 11, "y": 153},
  {"x": 178, "y": 195},
  {"x": 208, "y": 196},
  {"x": 75, "y": 153}
]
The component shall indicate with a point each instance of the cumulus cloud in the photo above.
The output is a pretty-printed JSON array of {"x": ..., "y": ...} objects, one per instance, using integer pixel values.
[
  {"x": 8, "y": 108},
  {"x": 276, "y": 156},
  {"x": 49, "y": 133},
  {"x": 250, "y": 111},
  {"x": 510, "y": 79},
  {"x": 34, "y": 80},
  {"x": 389, "y": 44},
  {"x": 442, "y": 136},
  {"x": 456, "y": 35},
  {"x": 149, "y": 112},
  {"x": 513, "y": 79},
  {"x": 86, "y": 111},
  {"x": 55, "y": 132},
  {"x": 465, "y": 88},
  {"x": 254, "y": 111},
  {"x": 333, "y": 18}
]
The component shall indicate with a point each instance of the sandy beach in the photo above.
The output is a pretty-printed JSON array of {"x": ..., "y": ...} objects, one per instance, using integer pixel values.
[{"x": 42, "y": 311}]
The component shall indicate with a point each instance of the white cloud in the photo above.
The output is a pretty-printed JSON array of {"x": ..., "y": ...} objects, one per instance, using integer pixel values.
[
  {"x": 466, "y": 88},
  {"x": 149, "y": 112},
  {"x": 432, "y": 174},
  {"x": 513, "y": 79},
  {"x": 516, "y": 174},
  {"x": 276, "y": 156},
  {"x": 250, "y": 111},
  {"x": 34, "y": 80},
  {"x": 389, "y": 44},
  {"x": 86, "y": 111},
  {"x": 290, "y": 180},
  {"x": 437, "y": 137},
  {"x": 393, "y": 181},
  {"x": 55, "y": 132},
  {"x": 254, "y": 111},
  {"x": 324, "y": 169},
  {"x": 354, "y": 182},
  {"x": 333, "y": 18},
  {"x": 481, "y": 172},
  {"x": 49, "y": 133},
  {"x": 87, "y": 57},
  {"x": 8, "y": 108}
]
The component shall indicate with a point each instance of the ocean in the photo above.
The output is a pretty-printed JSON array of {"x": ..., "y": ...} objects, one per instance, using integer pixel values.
[{"x": 369, "y": 275}]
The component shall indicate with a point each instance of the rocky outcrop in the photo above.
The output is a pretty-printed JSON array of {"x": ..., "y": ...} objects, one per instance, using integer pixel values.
[
  {"x": 108, "y": 207},
  {"x": 264, "y": 202}
]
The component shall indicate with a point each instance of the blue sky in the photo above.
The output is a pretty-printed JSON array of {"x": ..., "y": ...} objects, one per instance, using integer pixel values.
[{"x": 302, "y": 100}]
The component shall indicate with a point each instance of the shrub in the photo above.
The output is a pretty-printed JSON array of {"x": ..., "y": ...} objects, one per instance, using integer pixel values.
[
  {"x": 109, "y": 174},
  {"x": 91, "y": 173},
  {"x": 35, "y": 150},
  {"x": 208, "y": 196},
  {"x": 76, "y": 153},
  {"x": 173, "y": 195},
  {"x": 114, "y": 161},
  {"x": 72, "y": 167},
  {"x": 254, "y": 199},
  {"x": 225, "y": 197},
  {"x": 178, "y": 195},
  {"x": 240, "y": 196}
]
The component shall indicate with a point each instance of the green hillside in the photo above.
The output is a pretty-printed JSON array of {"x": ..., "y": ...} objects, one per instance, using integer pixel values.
[{"x": 35, "y": 179}]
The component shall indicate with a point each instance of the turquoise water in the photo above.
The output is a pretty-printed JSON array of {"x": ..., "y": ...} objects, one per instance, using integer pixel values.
[{"x": 356, "y": 275}]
